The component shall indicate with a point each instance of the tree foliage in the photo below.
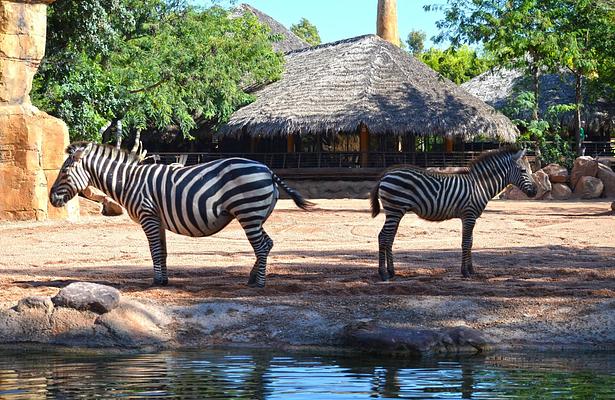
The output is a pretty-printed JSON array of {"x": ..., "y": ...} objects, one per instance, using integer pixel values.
[
  {"x": 458, "y": 65},
  {"x": 538, "y": 36},
  {"x": 416, "y": 42},
  {"x": 306, "y": 31},
  {"x": 149, "y": 63}
]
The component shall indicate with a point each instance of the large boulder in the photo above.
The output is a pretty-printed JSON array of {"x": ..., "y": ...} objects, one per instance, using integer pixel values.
[
  {"x": 370, "y": 337},
  {"x": 543, "y": 183},
  {"x": 86, "y": 296},
  {"x": 110, "y": 207},
  {"x": 513, "y": 193},
  {"x": 89, "y": 207},
  {"x": 588, "y": 187},
  {"x": 583, "y": 166},
  {"x": 556, "y": 173},
  {"x": 561, "y": 191},
  {"x": 607, "y": 176}
]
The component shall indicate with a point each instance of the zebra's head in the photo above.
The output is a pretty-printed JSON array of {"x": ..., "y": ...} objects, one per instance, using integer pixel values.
[
  {"x": 73, "y": 177},
  {"x": 520, "y": 174}
]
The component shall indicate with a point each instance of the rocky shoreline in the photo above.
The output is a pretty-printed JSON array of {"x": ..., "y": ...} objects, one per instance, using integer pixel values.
[{"x": 97, "y": 316}]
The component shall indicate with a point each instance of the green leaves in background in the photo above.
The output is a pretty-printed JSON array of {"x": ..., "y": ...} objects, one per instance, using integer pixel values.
[{"x": 151, "y": 63}]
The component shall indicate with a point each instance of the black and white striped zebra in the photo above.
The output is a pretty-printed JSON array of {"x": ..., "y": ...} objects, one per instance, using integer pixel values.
[
  {"x": 438, "y": 197},
  {"x": 194, "y": 201}
]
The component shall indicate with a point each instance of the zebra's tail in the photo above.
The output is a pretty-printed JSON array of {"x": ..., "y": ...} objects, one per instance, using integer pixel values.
[
  {"x": 373, "y": 199},
  {"x": 297, "y": 198}
]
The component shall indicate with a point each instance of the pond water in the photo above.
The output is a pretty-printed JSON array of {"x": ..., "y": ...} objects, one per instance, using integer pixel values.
[{"x": 246, "y": 374}]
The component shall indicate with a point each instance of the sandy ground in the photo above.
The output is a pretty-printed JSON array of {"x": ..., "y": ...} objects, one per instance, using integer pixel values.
[{"x": 546, "y": 269}]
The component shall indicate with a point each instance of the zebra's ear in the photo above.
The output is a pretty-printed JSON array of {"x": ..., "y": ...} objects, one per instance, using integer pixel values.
[
  {"x": 519, "y": 155},
  {"x": 81, "y": 151}
]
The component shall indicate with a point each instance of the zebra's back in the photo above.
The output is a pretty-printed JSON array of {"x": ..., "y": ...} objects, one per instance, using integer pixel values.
[
  {"x": 432, "y": 196},
  {"x": 202, "y": 199}
]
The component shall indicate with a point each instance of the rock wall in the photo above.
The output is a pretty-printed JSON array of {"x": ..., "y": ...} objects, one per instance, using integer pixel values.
[
  {"x": 31, "y": 142},
  {"x": 313, "y": 189}
]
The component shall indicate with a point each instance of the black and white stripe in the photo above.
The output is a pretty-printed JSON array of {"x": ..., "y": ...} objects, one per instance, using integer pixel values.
[
  {"x": 438, "y": 197},
  {"x": 195, "y": 201}
]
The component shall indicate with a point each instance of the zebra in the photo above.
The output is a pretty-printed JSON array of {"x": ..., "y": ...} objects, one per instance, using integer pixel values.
[
  {"x": 195, "y": 201},
  {"x": 438, "y": 196}
]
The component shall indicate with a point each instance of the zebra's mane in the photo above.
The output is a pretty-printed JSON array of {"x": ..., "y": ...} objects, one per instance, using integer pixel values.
[
  {"x": 121, "y": 155},
  {"x": 491, "y": 154}
]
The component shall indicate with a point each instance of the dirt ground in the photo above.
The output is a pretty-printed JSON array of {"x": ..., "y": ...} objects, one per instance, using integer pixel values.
[{"x": 547, "y": 261}]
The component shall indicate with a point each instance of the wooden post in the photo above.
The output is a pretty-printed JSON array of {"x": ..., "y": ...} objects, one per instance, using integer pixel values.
[
  {"x": 364, "y": 145},
  {"x": 448, "y": 141},
  {"x": 290, "y": 143}
]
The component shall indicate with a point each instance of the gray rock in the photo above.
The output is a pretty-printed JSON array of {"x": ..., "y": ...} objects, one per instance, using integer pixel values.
[
  {"x": 583, "y": 166},
  {"x": 588, "y": 187},
  {"x": 561, "y": 191},
  {"x": 87, "y": 296},
  {"x": 544, "y": 184},
  {"x": 556, "y": 173},
  {"x": 111, "y": 208},
  {"x": 35, "y": 302},
  {"x": 373, "y": 338},
  {"x": 607, "y": 176},
  {"x": 513, "y": 193}
]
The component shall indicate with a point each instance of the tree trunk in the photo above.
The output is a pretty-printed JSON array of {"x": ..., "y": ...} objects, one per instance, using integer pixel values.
[
  {"x": 535, "y": 114},
  {"x": 536, "y": 89},
  {"x": 578, "y": 98}
]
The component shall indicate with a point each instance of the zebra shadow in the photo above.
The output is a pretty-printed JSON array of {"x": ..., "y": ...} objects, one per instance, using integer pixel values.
[{"x": 540, "y": 271}]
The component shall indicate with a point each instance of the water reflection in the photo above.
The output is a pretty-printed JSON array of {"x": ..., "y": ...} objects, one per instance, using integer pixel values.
[{"x": 241, "y": 374}]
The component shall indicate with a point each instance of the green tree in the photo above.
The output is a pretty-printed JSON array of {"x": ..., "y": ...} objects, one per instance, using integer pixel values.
[
  {"x": 517, "y": 33},
  {"x": 416, "y": 41},
  {"x": 458, "y": 65},
  {"x": 150, "y": 63},
  {"x": 306, "y": 31},
  {"x": 587, "y": 36}
]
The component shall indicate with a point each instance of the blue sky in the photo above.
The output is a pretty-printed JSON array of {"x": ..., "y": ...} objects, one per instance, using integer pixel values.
[{"x": 341, "y": 19}]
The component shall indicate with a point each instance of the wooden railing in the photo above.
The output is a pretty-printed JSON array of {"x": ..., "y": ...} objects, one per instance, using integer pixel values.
[
  {"x": 326, "y": 159},
  {"x": 357, "y": 159}
]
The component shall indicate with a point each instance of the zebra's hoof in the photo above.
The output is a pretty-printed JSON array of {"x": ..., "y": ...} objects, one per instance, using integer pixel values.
[
  {"x": 256, "y": 285},
  {"x": 161, "y": 282},
  {"x": 384, "y": 276}
]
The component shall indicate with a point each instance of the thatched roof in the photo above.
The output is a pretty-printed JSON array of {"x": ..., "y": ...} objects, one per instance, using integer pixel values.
[
  {"x": 289, "y": 41},
  {"x": 336, "y": 87},
  {"x": 498, "y": 86}
]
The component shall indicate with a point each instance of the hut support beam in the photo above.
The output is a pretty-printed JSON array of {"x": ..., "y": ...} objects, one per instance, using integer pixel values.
[
  {"x": 364, "y": 145},
  {"x": 448, "y": 141},
  {"x": 290, "y": 144}
]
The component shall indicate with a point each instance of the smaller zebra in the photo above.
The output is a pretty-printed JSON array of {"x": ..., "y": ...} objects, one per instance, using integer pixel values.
[{"x": 438, "y": 196}]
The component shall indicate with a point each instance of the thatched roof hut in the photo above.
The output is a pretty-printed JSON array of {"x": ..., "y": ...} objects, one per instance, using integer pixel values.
[
  {"x": 338, "y": 87},
  {"x": 289, "y": 41},
  {"x": 498, "y": 86}
]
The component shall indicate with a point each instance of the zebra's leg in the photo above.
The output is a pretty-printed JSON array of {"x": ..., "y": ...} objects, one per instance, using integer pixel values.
[
  {"x": 385, "y": 246},
  {"x": 262, "y": 245},
  {"x": 156, "y": 236},
  {"x": 466, "y": 246}
]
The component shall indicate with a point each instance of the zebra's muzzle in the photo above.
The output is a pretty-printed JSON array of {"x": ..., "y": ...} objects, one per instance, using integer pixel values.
[
  {"x": 57, "y": 200},
  {"x": 531, "y": 191}
]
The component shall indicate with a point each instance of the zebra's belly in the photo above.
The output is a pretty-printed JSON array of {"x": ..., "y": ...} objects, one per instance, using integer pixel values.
[
  {"x": 212, "y": 227},
  {"x": 437, "y": 216}
]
